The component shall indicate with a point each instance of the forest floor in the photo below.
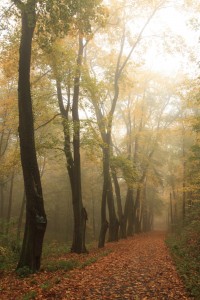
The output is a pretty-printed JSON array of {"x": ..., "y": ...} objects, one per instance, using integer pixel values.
[{"x": 139, "y": 268}]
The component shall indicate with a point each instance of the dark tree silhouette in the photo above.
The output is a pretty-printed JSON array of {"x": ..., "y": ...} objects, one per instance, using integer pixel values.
[{"x": 35, "y": 214}]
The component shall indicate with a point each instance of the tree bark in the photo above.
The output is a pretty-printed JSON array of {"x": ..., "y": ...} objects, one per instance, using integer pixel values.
[
  {"x": 122, "y": 224},
  {"x": 19, "y": 225},
  {"x": 1, "y": 207},
  {"x": 104, "y": 222},
  {"x": 35, "y": 214},
  {"x": 107, "y": 195},
  {"x": 171, "y": 212},
  {"x": 80, "y": 215},
  {"x": 184, "y": 179},
  {"x": 113, "y": 221},
  {"x": 128, "y": 212},
  {"x": 10, "y": 202}
]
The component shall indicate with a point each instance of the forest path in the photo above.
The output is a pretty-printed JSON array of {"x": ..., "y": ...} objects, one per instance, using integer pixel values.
[{"x": 139, "y": 268}]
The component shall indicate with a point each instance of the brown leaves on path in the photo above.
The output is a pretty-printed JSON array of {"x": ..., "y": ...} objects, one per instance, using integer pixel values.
[{"x": 139, "y": 268}]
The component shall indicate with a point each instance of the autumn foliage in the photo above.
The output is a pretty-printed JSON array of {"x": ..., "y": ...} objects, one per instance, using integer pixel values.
[{"x": 139, "y": 268}]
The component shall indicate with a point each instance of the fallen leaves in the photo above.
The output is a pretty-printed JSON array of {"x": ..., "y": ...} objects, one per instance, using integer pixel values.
[{"x": 138, "y": 268}]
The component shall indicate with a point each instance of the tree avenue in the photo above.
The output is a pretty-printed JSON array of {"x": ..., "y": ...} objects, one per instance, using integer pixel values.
[
  {"x": 99, "y": 134},
  {"x": 35, "y": 214}
]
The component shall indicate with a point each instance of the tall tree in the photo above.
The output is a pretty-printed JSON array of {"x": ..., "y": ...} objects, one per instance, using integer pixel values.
[
  {"x": 73, "y": 155},
  {"x": 69, "y": 78},
  {"x": 105, "y": 115},
  {"x": 35, "y": 214}
]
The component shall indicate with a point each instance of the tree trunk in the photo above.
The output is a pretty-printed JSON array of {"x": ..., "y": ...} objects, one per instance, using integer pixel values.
[
  {"x": 172, "y": 220},
  {"x": 93, "y": 216},
  {"x": 128, "y": 213},
  {"x": 104, "y": 222},
  {"x": 73, "y": 156},
  {"x": 10, "y": 202},
  {"x": 113, "y": 221},
  {"x": 19, "y": 226},
  {"x": 1, "y": 208},
  {"x": 184, "y": 179},
  {"x": 107, "y": 194},
  {"x": 145, "y": 211},
  {"x": 140, "y": 217},
  {"x": 1, "y": 202},
  {"x": 80, "y": 215},
  {"x": 122, "y": 223},
  {"x": 35, "y": 214},
  {"x": 136, "y": 208}
]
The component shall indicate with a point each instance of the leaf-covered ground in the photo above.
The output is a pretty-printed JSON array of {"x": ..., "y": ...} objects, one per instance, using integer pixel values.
[{"x": 138, "y": 268}]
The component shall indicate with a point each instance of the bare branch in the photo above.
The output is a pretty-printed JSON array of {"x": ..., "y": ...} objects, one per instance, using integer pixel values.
[
  {"x": 137, "y": 40},
  {"x": 39, "y": 78},
  {"x": 48, "y": 121},
  {"x": 60, "y": 149}
]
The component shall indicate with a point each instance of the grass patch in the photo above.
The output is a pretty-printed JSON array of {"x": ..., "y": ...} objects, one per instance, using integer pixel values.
[
  {"x": 92, "y": 260},
  {"x": 186, "y": 256},
  {"x": 30, "y": 295},
  {"x": 65, "y": 265},
  {"x": 54, "y": 249},
  {"x": 89, "y": 262},
  {"x": 24, "y": 272},
  {"x": 46, "y": 285}
]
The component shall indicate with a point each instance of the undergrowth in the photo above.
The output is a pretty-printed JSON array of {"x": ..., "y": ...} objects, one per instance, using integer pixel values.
[
  {"x": 54, "y": 257},
  {"x": 70, "y": 264},
  {"x": 184, "y": 245}
]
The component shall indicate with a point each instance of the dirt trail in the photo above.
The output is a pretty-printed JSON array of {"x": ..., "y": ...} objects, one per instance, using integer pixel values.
[{"x": 138, "y": 268}]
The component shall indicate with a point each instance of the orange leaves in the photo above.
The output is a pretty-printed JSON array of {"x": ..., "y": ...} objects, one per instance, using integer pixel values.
[{"x": 138, "y": 268}]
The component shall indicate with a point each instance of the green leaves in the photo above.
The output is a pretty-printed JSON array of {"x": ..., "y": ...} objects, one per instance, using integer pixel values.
[
  {"x": 127, "y": 168},
  {"x": 57, "y": 17}
]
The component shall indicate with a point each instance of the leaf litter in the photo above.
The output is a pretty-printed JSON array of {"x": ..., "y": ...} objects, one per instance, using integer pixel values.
[{"x": 137, "y": 268}]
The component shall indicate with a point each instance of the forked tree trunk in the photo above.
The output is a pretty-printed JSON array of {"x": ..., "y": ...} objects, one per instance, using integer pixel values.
[
  {"x": 35, "y": 214},
  {"x": 73, "y": 155}
]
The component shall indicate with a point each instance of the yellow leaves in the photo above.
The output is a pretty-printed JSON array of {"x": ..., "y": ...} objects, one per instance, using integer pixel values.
[
  {"x": 8, "y": 60},
  {"x": 8, "y": 113},
  {"x": 10, "y": 160},
  {"x": 9, "y": 68}
]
